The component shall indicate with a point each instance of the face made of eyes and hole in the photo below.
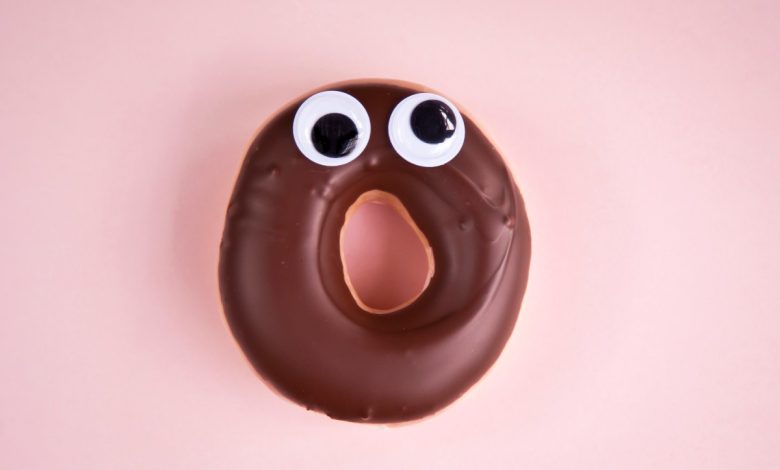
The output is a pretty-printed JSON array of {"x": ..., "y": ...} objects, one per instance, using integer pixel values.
[
  {"x": 332, "y": 128},
  {"x": 370, "y": 142},
  {"x": 306, "y": 170}
]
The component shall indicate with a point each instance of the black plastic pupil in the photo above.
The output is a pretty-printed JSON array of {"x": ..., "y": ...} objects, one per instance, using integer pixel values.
[
  {"x": 433, "y": 121},
  {"x": 334, "y": 135}
]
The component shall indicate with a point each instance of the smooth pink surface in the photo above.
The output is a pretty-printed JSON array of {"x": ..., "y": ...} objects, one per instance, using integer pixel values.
[
  {"x": 645, "y": 138},
  {"x": 385, "y": 258}
]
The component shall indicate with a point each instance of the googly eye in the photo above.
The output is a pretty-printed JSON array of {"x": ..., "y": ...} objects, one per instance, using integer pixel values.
[
  {"x": 426, "y": 130},
  {"x": 331, "y": 128}
]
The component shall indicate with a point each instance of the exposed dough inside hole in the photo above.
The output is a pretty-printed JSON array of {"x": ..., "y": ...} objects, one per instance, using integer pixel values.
[{"x": 387, "y": 260}]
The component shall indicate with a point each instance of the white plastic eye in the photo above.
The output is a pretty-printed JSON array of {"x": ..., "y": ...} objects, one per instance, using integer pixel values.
[
  {"x": 426, "y": 130},
  {"x": 331, "y": 128}
]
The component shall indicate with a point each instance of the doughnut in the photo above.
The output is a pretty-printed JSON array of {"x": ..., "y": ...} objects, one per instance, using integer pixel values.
[{"x": 284, "y": 287}]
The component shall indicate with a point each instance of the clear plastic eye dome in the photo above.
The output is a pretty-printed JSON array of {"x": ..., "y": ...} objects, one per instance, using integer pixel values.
[
  {"x": 331, "y": 128},
  {"x": 426, "y": 130}
]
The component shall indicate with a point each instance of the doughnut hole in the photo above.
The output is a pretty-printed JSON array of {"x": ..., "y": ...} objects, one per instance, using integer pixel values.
[{"x": 387, "y": 260}]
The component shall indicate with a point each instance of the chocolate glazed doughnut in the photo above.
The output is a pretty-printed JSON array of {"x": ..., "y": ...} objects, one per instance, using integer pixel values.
[{"x": 281, "y": 274}]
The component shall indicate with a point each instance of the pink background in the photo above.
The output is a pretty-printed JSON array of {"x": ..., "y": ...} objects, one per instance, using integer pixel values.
[{"x": 645, "y": 138}]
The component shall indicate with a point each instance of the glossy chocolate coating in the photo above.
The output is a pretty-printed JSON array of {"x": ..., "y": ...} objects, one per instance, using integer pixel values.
[{"x": 282, "y": 279}]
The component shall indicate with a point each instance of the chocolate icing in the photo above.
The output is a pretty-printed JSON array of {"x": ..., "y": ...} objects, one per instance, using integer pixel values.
[{"x": 282, "y": 279}]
